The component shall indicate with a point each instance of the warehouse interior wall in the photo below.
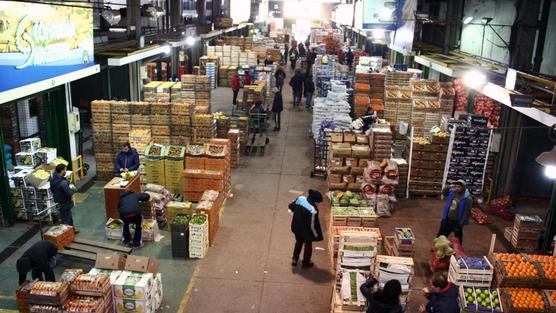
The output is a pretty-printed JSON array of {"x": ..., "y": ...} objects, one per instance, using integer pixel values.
[
  {"x": 503, "y": 13},
  {"x": 548, "y": 65}
]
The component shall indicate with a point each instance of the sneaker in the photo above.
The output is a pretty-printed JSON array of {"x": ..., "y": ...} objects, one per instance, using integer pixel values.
[
  {"x": 139, "y": 246},
  {"x": 308, "y": 264}
]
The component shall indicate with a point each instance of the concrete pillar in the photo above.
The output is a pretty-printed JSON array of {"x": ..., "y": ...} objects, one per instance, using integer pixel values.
[
  {"x": 201, "y": 12},
  {"x": 216, "y": 9},
  {"x": 524, "y": 33}
]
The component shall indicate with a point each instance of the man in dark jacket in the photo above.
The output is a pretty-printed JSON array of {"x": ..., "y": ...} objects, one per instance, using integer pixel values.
[
  {"x": 293, "y": 55},
  {"x": 296, "y": 82},
  {"x": 127, "y": 159},
  {"x": 386, "y": 300},
  {"x": 456, "y": 210},
  {"x": 130, "y": 212},
  {"x": 301, "y": 50},
  {"x": 277, "y": 107},
  {"x": 63, "y": 192},
  {"x": 286, "y": 53},
  {"x": 280, "y": 76},
  {"x": 309, "y": 87},
  {"x": 443, "y": 297},
  {"x": 305, "y": 226},
  {"x": 40, "y": 258},
  {"x": 349, "y": 58}
]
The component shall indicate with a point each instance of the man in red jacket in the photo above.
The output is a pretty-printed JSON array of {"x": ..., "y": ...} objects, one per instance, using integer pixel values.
[{"x": 235, "y": 87}]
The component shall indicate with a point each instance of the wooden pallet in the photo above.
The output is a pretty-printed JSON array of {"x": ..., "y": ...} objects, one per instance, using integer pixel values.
[
  {"x": 88, "y": 249},
  {"x": 256, "y": 146}
]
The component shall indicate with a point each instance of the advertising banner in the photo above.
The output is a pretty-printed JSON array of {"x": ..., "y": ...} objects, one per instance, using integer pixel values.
[
  {"x": 380, "y": 14},
  {"x": 42, "y": 41}
]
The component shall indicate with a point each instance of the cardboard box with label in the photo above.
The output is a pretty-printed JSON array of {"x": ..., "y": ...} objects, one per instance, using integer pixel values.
[
  {"x": 114, "y": 274},
  {"x": 134, "y": 286},
  {"x": 110, "y": 261},
  {"x": 141, "y": 264}
]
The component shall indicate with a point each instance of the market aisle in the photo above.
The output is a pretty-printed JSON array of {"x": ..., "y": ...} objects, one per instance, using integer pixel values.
[{"x": 248, "y": 269}]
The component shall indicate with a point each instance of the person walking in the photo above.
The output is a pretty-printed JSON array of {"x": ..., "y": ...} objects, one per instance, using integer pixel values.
[
  {"x": 63, "y": 191},
  {"x": 293, "y": 57},
  {"x": 309, "y": 87},
  {"x": 386, "y": 300},
  {"x": 456, "y": 210},
  {"x": 130, "y": 212},
  {"x": 127, "y": 159},
  {"x": 305, "y": 226},
  {"x": 280, "y": 77},
  {"x": 235, "y": 87},
  {"x": 301, "y": 49},
  {"x": 277, "y": 107},
  {"x": 40, "y": 260},
  {"x": 349, "y": 58},
  {"x": 247, "y": 79},
  {"x": 340, "y": 56},
  {"x": 296, "y": 82},
  {"x": 443, "y": 296},
  {"x": 286, "y": 53}
]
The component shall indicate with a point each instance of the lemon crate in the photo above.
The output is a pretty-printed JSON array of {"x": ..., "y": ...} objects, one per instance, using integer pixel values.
[{"x": 470, "y": 277}]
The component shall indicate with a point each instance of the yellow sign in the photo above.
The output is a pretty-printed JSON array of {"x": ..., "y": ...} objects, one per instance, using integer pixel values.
[{"x": 33, "y": 34}]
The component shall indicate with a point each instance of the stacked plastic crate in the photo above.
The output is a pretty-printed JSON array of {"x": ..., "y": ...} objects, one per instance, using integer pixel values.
[{"x": 198, "y": 236}]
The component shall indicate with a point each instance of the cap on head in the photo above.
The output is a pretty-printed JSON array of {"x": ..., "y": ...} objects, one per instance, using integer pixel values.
[{"x": 315, "y": 196}]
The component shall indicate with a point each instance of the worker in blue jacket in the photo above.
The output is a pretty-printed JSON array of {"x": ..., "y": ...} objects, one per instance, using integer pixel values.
[
  {"x": 130, "y": 213},
  {"x": 127, "y": 159},
  {"x": 456, "y": 210}
]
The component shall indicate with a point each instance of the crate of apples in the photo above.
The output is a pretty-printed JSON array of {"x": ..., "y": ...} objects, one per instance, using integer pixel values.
[{"x": 524, "y": 300}]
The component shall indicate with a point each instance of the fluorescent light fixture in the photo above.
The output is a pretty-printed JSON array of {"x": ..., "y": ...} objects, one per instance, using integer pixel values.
[
  {"x": 385, "y": 13},
  {"x": 548, "y": 160},
  {"x": 486, "y": 20},
  {"x": 467, "y": 20},
  {"x": 190, "y": 40},
  {"x": 474, "y": 79},
  {"x": 378, "y": 33},
  {"x": 166, "y": 49}
]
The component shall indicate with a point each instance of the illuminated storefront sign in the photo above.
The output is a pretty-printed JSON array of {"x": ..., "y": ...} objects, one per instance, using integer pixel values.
[{"x": 41, "y": 41}]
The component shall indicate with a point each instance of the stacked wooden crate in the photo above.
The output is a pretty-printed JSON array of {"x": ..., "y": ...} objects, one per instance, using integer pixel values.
[
  {"x": 219, "y": 159},
  {"x": 202, "y": 94},
  {"x": 404, "y": 242},
  {"x": 204, "y": 128},
  {"x": 376, "y": 93},
  {"x": 102, "y": 138},
  {"x": 428, "y": 159},
  {"x": 526, "y": 232},
  {"x": 180, "y": 123},
  {"x": 211, "y": 204},
  {"x": 381, "y": 143},
  {"x": 362, "y": 101},
  {"x": 233, "y": 136},
  {"x": 174, "y": 164},
  {"x": 398, "y": 268}
]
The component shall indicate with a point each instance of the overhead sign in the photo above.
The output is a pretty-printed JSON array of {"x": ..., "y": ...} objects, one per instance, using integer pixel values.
[
  {"x": 380, "y": 14},
  {"x": 42, "y": 41},
  {"x": 402, "y": 40}
]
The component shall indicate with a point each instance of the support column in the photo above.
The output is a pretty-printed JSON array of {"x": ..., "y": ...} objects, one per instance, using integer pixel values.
[
  {"x": 216, "y": 9},
  {"x": 201, "y": 20},
  {"x": 524, "y": 33},
  {"x": 545, "y": 12},
  {"x": 176, "y": 10},
  {"x": 5, "y": 197}
]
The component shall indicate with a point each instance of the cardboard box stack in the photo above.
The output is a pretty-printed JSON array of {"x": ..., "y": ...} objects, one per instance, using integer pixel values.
[
  {"x": 233, "y": 136},
  {"x": 349, "y": 155},
  {"x": 154, "y": 164},
  {"x": 198, "y": 236},
  {"x": 399, "y": 268},
  {"x": 381, "y": 142},
  {"x": 204, "y": 128},
  {"x": 219, "y": 158},
  {"x": 526, "y": 232},
  {"x": 207, "y": 168},
  {"x": 31, "y": 193},
  {"x": 157, "y": 91},
  {"x": 211, "y": 205},
  {"x": 174, "y": 164},
  {"x": 138, "y": 288},
  {"x": 428, "y": 159},
  {"x": 254, "y": 93}
]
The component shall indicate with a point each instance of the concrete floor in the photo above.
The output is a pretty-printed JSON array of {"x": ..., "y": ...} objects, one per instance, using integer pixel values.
[{"x": 248, "y": 269}]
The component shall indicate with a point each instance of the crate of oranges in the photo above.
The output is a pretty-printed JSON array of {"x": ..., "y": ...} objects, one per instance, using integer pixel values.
[
  {"x": 524, "y": 300},
  {"x": 547, "y": 263},
  {"x": 505, "y": 257},
  {"x": 518, "y": 273},
  {"x": 551, "y": 299}
]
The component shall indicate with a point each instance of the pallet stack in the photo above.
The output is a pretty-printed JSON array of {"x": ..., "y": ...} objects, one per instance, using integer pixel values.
[
  {"x": 427, "y": 164},
  {"x": 526, "y": 232},
  {"x": 350, "y": 154},
  {"x": 404, "y": 243}
]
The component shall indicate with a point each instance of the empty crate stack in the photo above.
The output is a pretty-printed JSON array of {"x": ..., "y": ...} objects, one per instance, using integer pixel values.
[
  {"x": 428, "y": 159},
  {"x": 381, "y": 143},
  {"x": 102, "y": 138},
  {"x": 526, "y": 232}
]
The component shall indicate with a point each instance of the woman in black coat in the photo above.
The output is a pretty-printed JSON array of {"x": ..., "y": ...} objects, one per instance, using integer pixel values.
[
  {"x": 277, "y": 107},
  {"x": 386, "y": 300},
  {"x": 305, "y": 226},
  {"x": 296, "y": 82}
]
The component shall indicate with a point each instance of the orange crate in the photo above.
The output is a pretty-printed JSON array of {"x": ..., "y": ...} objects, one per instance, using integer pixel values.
[{"x": 62, "y": 235}]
